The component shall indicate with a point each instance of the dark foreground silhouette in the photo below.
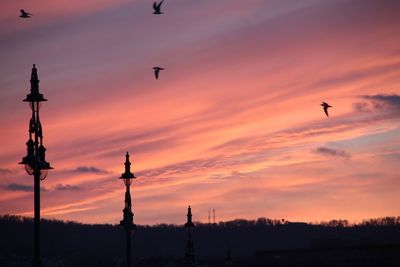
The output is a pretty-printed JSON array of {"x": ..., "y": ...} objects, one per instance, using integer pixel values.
[{"x": 263, "y": 242}]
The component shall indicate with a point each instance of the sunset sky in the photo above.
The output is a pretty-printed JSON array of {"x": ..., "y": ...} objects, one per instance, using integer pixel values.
[{"x": 234, "y": 122}]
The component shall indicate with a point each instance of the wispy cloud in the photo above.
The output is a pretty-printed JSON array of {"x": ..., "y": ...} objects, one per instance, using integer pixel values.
[
  {"x": 332, "y": 152},
  {"x": 5, "y": 171},
  {"x": 67, "y": 187},
  {"x": 29, "y": 188},
  {"x": 18, "y": 187},
  {"x": 26, "y": 188},
  {"x": 388, "y": 99},
  {"x": 89, "y": 169},
  {"x": 357, "y": 75},
  {"x": 389, "y": 103}
]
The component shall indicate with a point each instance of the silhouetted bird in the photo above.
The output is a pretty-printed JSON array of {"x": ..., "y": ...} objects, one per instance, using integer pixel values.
[
  {"x": 326, "y": 106},
  {"x": 157, "y": 71},
  {"x": 25, "y": 14},
  {"x": 157, "y": 7}
]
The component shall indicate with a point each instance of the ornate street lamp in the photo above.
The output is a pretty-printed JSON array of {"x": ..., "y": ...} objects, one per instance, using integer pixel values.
[
  {"x": 189, "y": 256},
  {"x": 127, "y": 221},
  {"x": 35, "y": 161}
]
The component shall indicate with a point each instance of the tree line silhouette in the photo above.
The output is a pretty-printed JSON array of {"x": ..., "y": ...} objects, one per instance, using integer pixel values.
[{"x": 77, "y": 244}]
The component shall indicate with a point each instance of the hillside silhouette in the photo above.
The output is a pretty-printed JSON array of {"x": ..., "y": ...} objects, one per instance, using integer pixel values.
[{"x": 251, "y": 241}]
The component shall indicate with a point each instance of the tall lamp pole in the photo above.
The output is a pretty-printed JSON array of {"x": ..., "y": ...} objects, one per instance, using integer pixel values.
[
  {"x": 127, "y": 221},
  {"x": 35, "y": 160},
  {"x": 189, "y": 256}
]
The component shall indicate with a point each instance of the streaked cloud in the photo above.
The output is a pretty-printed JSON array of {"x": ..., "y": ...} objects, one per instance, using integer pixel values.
[
  {"x": 382, "y": 101},
  {"x": 18, "y": 187},
  {"x": 332, "y": 152},
  {"x": 390, "y": 99},
  {"x": 89, "y": 169},
  {"x": 5, "y": 171},
  {"x": 67, "y": 187},
  {"x": 379, "y": 102}
]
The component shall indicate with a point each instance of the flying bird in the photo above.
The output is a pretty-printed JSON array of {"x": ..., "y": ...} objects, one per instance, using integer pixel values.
[
  {"x": 326, "y": 106},
  {"x": 25, "y": 14},
  {"x": 157, "y": 7},
  {"x": 157, "y": 71}
]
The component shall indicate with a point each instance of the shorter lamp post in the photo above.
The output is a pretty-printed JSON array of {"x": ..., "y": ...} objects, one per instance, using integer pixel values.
[
  {"x": 189, "y": 257},
  {"x": 127, "y": 221}
]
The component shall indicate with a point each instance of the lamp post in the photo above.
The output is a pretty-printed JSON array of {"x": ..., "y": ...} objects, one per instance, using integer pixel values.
[
  {"x": 35, "y": 160},
  {"x": 189, "y": 256},
  {"x": 127, "y": 221},
  {"x": 228, "y": 260}
]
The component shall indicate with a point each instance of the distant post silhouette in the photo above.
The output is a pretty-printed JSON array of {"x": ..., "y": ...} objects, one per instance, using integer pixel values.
[
  {"x": 214, "y": 216},
  {"x": 35, "y": 160},
  {"x": 228, "y": 260},
  {"x": 127, "y": 221},
  {"x": 189, "y": 257}
]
